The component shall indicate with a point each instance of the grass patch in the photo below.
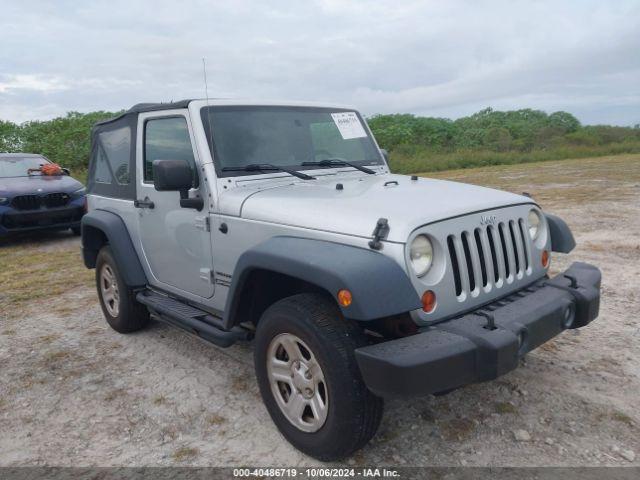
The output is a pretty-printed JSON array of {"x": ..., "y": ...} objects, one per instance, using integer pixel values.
[
  {"x": 240, "y": 385},
  {"x": 185, "y": 453},
  {"x": 49, "y": 338},
  {"x": 215, "y": 419},
  {"x": 415, "y": 159},
  {"x": 622, "y": 418},
  {"x": 32, "y": 270},
  {"x": 56, "y": 356},
  {"x": 616, "y": 416},
  {"x": 565, "y": 182},
  {"x": 458, "y": 429},
  {"x": 550, "y": 346},
  {"x": 504, "y": 407},
  {"x": 114, "y": 394}
]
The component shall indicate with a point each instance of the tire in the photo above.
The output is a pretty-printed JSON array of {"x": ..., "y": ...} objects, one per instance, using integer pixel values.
[
  {"x": 351, "y": 413},
  {"x": 118, "y": 303},
  {"x": 77, "y": 231}
]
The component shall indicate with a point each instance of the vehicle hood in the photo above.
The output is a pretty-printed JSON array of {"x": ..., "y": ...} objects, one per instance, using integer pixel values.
[
  {"x": 354, "y": 210},
  {"x": 38, "y": 184}
]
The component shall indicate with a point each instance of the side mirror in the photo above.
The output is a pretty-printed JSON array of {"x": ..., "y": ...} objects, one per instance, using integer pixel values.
[
  {"x": 66, "y": 171},
  {"x": 385, "y": 154},
  {"x": 175, "y": 176}
]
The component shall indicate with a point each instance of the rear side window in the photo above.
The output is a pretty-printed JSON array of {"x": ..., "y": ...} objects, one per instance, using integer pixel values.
[
  {"x": 102, "y": 173},
  {"x": 113, "y": 156},
  {"x": 167, "y": 139}
]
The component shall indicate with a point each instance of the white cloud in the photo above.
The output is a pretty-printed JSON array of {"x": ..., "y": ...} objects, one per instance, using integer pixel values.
[
  {"x": 431, "y": 58},
  {"x": 38, "y": 83}
]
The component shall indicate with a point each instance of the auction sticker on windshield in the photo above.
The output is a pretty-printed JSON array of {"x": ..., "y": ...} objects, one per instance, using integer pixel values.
[{"x": 349, "y": 125}]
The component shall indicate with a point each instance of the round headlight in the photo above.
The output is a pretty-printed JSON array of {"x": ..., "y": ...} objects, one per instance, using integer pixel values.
[
  {"x": 534, "y": 223},
  {"x": 421, "y": 255}
]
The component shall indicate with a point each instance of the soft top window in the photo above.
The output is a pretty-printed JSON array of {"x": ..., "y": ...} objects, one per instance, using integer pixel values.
[
  {"x": 112, "y": 166},
  {"x": 116, "y": 148}
]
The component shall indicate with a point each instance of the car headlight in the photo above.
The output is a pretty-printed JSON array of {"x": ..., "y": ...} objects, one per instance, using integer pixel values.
[
  {"x": 3, "y": 200},
  {"x": 80, "y": 192},
  {"x": 421, "y": 255},
  {"x": 534, "y": 221}
]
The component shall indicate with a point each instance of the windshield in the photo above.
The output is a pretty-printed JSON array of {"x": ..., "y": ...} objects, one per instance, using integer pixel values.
[
  {"x": 286, "y": 136},
  {"x": 19, "y": 166}
]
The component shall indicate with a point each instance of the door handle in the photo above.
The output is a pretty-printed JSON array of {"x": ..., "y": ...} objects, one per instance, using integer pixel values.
[{"x": 146, "y": 203}]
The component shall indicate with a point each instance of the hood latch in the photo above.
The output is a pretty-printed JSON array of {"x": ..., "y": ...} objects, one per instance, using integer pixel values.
[{"x": 379, "y": 233}]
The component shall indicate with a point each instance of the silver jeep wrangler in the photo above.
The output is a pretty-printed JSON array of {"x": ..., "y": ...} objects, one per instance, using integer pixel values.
[{"x": 282, "y": 223}]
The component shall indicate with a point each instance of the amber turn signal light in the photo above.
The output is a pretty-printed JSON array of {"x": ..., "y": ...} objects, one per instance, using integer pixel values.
[
  {"x": 545, "y": 258},
  {"x": 344, "y": 297},
  {"x": 428, "y": 301}
]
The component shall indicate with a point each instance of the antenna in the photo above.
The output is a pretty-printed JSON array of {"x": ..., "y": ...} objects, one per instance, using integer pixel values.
[
  {"x": 206, "y": 93},
  {"x": 204, "y": 73}
]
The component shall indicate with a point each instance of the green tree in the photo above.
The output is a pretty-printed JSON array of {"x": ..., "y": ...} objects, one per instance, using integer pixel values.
[
  {"x": 564, "y": 121},
  {"x": 64, "y": 140},
  {"x": 9, "y": 137}
]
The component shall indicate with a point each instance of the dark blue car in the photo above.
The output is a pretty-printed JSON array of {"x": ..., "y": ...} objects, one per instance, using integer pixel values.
[{"x": 30, "y": 200}]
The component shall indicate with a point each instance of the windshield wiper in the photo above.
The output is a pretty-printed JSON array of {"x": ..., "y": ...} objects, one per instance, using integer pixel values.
[
  {"x": 336, "y": 162},
  {"x": 265, "y": 167}
]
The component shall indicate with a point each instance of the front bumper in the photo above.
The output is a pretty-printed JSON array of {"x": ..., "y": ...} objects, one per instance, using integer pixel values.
[
  {"x": 14, "y": 221},
  {"x": 484, "y": 344}
]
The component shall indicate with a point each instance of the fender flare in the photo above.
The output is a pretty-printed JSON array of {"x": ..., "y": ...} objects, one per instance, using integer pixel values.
[
  {"x": 561, "y": 237},
  {"x": 99, "y": 225},
  {"x": 380, "y": 287}
]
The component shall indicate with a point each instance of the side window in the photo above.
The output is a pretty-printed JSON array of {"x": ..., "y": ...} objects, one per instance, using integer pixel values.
[
  {"x": 102, "y": 173},
  {"x": 115, "y": 149},
  {"x": 167, "y": 139}
]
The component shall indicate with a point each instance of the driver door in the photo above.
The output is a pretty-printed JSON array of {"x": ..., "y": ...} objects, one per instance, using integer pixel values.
[{"x": 176, "y": 241}]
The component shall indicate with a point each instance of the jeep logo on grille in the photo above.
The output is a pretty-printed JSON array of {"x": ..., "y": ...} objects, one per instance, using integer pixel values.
[{"x": 487, "y": 219}]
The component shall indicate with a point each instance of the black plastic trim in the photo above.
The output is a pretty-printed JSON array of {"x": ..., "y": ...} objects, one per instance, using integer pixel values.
[
  {"x": 484, "y": 344},
  {"x": 379, "y": 286},
  {"x": 191, "y": 319},
  {"x": 101, "y": 225},
  {"x": 561, "y": 237}
]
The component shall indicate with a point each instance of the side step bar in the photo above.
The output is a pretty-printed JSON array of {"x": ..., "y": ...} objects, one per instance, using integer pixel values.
[{"x": 191, "y": 319}]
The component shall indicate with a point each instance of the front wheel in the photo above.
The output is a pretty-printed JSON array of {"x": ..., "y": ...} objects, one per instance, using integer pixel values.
[{"x": 309, "y": 379}]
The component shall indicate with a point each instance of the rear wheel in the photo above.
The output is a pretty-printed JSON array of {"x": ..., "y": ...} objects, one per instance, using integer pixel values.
[
  {"x": 309, "y": 379},
  {"x": 122, "y": 312}
]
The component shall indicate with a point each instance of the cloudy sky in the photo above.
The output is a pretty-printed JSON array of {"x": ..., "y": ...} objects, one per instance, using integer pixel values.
[{"x": 436, "y": 58}]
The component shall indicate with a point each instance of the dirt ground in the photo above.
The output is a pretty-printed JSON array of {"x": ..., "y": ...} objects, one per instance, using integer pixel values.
[{"x": 74, "y": 392}]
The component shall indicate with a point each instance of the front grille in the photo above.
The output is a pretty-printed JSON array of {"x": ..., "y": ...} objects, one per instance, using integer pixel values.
[
  {"x": 489, "y": 257},
  {"x": 54, "y": 200},
  {"x": 26, "y": 202},
  {"x": 34, "y": 202}
]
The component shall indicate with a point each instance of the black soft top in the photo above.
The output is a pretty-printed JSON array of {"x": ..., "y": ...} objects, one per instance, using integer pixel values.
[
  {"x": 112, "y": 166},
  {"x": 148, "y": 107}
]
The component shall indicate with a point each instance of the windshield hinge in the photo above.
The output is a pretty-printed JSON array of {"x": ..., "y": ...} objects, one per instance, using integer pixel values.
[
  {"x": 203, "y": 223},
  {"x": 379, "y": 233}
]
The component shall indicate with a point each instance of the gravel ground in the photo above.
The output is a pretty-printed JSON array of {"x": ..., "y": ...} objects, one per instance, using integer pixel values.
[{"x": 75, "y": 393}]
